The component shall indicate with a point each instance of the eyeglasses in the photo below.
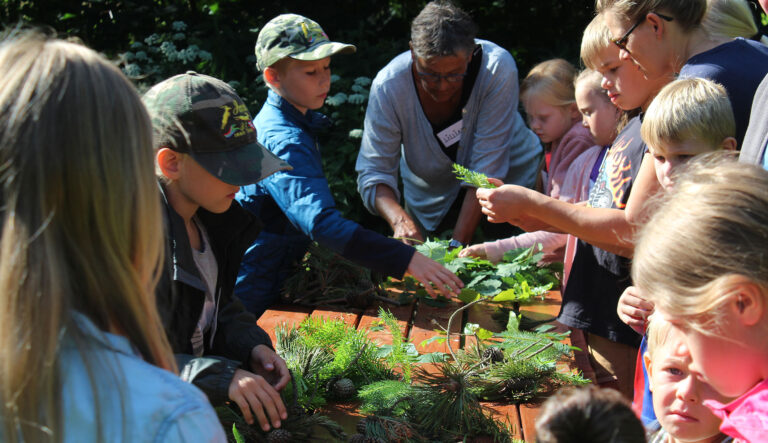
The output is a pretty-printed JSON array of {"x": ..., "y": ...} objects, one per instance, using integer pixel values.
[
  {"x": 622, "y": 42},
  {"x": 434, "y": 79}
]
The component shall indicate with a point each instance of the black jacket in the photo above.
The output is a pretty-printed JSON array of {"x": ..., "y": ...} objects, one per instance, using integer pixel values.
[{"x": 181, "y": 295}]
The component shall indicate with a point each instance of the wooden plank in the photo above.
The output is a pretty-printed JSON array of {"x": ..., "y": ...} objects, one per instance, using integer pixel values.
[
  {"x": 528, "y": 414},
  {"x": 371, "y": 317},
  {"x": 507, "y": 413},
  {"x": 423, "y": 328},
  {"x": 549, "y": 307},
  {"x": 290, "y": 315},
  {"x": 347, "y": 315}
]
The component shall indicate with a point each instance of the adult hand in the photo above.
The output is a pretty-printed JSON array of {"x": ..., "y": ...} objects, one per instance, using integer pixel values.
[
  {"x": 634, "y": 309},
  {"x": 503, "y": 204},
  {"x": 406, "y": 231},
  {"x": 265, "y": 362},
  {"x": 477, "y": 250},
  {"x": 430, "y": 272},
  {"x": 254, "y": 395}
]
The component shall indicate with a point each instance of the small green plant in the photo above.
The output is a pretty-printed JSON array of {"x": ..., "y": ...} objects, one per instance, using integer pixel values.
[{"x": 474, "y": 178}]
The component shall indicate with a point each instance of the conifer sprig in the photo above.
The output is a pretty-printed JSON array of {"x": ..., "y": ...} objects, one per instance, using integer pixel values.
[{"x": 474, "y": 178}]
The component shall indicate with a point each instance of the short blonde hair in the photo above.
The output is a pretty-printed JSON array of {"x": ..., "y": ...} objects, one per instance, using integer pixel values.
[
  {"x": 713, "y": 227},
  {"x": 595, "y": 39},
  {"x": 657, "y": 333},
  {"x": 552, "y": 81},
  {"x": 688, "y": 109}
]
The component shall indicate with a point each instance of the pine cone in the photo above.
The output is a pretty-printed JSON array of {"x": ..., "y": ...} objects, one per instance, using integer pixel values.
[
  {"x": 344, "y": 388},
  {"x": 493, "y": 354},
  {"x": 361, "y": 426},
  {"x": 279, "y": 436}
]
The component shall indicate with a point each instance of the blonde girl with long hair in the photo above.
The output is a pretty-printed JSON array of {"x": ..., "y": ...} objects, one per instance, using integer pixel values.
[
  {"x": 547, "y": 94},
  {"x": 701, "y": 259},
  {"x": 83, "y": 356}
]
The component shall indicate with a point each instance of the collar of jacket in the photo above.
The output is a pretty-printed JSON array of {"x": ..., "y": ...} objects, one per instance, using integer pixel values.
[
  {"x": 312, "y": 121},
  {"x": 234, "y": 224}
]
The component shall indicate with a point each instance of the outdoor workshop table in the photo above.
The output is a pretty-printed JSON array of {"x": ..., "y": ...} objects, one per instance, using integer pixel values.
[{"x": 415, "y": 320}]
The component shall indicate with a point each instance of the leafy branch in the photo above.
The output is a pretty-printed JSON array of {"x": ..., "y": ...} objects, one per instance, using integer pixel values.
[{"x": 474, "y": 178}]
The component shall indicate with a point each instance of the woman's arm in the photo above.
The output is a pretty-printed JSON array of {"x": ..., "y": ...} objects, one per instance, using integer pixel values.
[
  {"x": 609, "y": 229},
  {"x": 469, "y": 216},
  {"x": 402, "y": 224}
]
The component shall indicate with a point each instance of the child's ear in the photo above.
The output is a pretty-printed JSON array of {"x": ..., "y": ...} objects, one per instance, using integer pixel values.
[
  {"x": 272, "y": 76},
  {"x": 729, "y": 144},
  {"x": 648, "y": 368},
  {"x": 747, "y": 300},
  {"x": 169, "y": 162}
]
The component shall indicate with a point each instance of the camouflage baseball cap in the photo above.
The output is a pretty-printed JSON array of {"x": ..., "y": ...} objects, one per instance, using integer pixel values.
[
  {"x": 291, "y": 35},
  {"x": 205, "y": 118}
]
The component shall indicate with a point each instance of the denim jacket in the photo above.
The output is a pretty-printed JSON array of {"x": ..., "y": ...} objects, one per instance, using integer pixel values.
[{"x": 137, "y": 402}]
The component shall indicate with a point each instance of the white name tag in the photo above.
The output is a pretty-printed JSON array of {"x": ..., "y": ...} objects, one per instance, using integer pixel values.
[{"x": 451, "y": 134}]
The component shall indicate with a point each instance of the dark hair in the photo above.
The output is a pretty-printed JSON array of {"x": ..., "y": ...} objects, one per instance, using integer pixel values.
[
  {"x": 442, "y": 29},
  {"x": 687, "y": 13},
  {"x": 588, "y": 414}
]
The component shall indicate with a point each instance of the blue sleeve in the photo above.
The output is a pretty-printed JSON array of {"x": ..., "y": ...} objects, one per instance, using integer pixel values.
[{"x": 305, "y": 198}]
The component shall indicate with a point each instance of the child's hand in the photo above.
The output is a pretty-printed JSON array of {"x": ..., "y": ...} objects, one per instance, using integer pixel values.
[
  {"x": 265, "y": 362},
  {"x": 254, "y": 395},
  {"x": 477, "y": 250},
  {"x": 430, "y": 272},
  {"x": 634, "y": 309}
]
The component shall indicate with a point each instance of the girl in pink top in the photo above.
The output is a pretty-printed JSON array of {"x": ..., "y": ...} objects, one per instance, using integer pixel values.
[{"x": 576, "y": 141}]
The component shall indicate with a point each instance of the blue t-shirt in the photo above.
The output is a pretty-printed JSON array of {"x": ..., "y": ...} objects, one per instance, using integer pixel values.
[{"x": 739, "y": 66}]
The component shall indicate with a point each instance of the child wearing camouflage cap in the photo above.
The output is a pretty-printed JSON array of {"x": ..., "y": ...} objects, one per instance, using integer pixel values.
[
  {"x": 205, "y": 148},
  {"x": 296, "y": 206}
]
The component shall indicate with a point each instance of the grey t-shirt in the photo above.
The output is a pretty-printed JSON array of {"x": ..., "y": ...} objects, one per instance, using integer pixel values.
[{"x": 208, "y": 268}]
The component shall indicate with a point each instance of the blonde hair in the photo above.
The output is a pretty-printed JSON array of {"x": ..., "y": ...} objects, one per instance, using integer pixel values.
[
  {"x": 592, "y": 80},
  {"x": 551, "y": 81},
  {"x": 81, "y": 224},
  {"x": 730, "y": 19},
  {"x": 711, "y": 228},
  {"x": 656, "y": 333},
  {"x": 595, "y": 39},
  {"x": 688, "y": 14},
  {"x": 688, "y": 109}
]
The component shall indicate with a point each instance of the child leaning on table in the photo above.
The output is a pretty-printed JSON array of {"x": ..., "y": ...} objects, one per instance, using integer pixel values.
[
  {"x": 701, "y": 260},
  {"x": 678, "y": 394},
  {"x": 205, "y": 149},
  {"x": 687, "y": 118},
  {"x": 297, "y": 206},
  {"x": 547, "y": 93}
]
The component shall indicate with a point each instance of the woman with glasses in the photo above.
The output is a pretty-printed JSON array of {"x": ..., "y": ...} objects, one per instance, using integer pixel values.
[
  {"x": 451, "y": 98},
  {"x": 691, "y": 38}
]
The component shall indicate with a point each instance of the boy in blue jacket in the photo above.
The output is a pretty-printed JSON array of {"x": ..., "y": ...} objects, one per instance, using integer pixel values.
[{"x": 296, "y": 206}]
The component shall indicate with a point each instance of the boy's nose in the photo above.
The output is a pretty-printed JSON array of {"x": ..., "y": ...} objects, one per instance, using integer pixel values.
[
  {"x": 687, "y": 389},
  {"x": 605, "y": 83}
]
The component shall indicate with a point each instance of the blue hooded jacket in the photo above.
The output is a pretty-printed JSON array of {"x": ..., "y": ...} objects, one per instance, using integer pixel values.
[{"x": 297, "y": 207}]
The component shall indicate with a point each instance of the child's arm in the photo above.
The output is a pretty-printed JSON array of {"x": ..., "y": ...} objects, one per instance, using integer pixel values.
[{"x": 634, "y": 309}]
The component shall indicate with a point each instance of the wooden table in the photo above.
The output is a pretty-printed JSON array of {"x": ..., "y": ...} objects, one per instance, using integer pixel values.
[{"x": 415, "y": 320}]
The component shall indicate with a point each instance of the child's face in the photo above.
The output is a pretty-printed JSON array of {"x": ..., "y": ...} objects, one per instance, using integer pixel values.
[
  {"x": 598, "y": 114},
  {"x": 674, "y": 155},
  {"x": 305, "y": 84},
  {"x": 199, "y": 187},
  {"x": 627, "y": 87},
  {"x": 725, "y": 362},
  {"x": 678, "y": 394},
  {"x": 547, "y": 121}
]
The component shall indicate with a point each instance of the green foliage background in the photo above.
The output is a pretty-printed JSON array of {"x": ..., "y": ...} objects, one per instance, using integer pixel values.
[{"x": 154, "y": 39}]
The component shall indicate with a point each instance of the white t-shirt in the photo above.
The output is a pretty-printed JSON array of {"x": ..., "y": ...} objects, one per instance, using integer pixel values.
[{"x": 208, "y": 268}]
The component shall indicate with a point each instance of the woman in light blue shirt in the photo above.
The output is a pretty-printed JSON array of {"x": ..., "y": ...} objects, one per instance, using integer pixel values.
[{"x": 82, "y": 354}]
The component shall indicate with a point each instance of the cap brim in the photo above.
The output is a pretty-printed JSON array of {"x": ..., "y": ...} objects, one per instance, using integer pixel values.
[
  {"x": 323, "y": 50},
  {"x": 242, "y": 166}
]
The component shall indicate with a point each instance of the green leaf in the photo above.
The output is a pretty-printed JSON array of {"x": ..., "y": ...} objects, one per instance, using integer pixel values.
[
  {"x": 433, "y": 339},
  {"x": 432, "y": 357},
  {"x": 476, "y": 179},
  {"x": 468, "y": 295},
  {"x": 235, "y": 433},
  {"x": 513, "y": 323},
  {"x": 483, "y": 334},
  {"x": 506, "y": 295}
]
